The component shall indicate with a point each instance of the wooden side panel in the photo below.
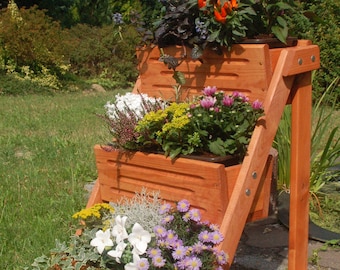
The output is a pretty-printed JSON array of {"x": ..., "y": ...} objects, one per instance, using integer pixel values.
[
  {"x": 121, "y": 175},
  {"x": 245, "y": 69}
]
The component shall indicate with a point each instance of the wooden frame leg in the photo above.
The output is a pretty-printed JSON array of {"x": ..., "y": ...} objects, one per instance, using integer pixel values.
[{"x": 300, "y": 173}]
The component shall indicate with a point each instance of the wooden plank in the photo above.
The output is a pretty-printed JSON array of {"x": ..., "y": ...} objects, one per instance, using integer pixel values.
[
  {"x": 254, "y": 163},
  {"x": 300, "y": 172}
]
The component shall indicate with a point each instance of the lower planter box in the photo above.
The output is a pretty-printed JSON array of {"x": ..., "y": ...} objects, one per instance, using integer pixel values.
[{"x": 208, "y": 186}]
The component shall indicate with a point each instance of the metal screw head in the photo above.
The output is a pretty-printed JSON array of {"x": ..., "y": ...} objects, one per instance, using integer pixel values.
[
  {"x": 313, "y": 58},
  {"x": 254, "y": 175},
  {"x": 300, "y": 61},
  {"x": 248, "y": 192}
]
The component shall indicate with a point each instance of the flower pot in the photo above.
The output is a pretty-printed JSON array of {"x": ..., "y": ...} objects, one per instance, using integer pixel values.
[
  {"x": 272, "y": 42},
  {"x": 208, "y": 186}
]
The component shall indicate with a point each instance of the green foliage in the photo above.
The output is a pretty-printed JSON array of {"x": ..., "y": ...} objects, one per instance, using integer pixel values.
[
  {"x": 325, "y": 148},
  {"x": 323, "y": 29},
  {"x": 105, "y": 53}
]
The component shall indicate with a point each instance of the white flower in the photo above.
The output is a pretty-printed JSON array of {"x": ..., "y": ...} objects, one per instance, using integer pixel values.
[
  {"x": 139, "y": 239},
  {"x": 118, "y": 252},
  {"x": 102, "y": 240},
  {"x": 132, "y": 265},
  {"x": 134, "y": 102},
  {"x": 119, "y": 231}
]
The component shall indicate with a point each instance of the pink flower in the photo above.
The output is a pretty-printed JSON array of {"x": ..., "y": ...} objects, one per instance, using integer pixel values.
[
  {"x": 209, "y": 90},
  {"x": 227, "y": 101},
  {"x": 257, "y": 105},
  {"x": 208, "y": 102}
]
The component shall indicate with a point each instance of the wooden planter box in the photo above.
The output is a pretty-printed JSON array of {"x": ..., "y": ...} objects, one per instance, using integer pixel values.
[{"x": 208, "y": 186}]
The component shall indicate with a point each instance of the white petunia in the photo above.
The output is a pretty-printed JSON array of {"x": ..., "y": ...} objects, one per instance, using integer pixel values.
[
  {"x": 118, "y": 252},
  {"x": 139, "y": 239},
  {"x": 102, "y": 240},
  {"x": 119, "y": 231}
]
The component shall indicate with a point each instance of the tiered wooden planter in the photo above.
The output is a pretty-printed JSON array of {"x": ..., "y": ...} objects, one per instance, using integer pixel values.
[{"x": 234, "y": 195}]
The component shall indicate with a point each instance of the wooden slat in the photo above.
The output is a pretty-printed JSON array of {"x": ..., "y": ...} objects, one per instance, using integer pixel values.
[{"x": 300, "y": 172}]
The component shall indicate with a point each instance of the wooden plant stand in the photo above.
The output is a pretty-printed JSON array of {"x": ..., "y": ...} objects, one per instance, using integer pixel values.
[{"x": 277, "y": 77}]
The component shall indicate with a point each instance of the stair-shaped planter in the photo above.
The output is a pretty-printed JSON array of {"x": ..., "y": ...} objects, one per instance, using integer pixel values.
[{"x": 208, "y": 186}]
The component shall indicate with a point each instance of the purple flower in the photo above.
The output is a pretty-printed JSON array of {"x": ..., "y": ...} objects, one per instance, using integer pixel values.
[
  {"x": 205, "y": 236},
  {"x": 209, "y": 91},
  {"x": 158, "y": 261},
  {"x": 193, "y": 263},
  {"x": 160, "y": 231},
  {"x": 179, "y": 253},
  {"x": 221, "y": 257},
  {"x": 257, "y": 105},
  {"x": 227, "y": 101},
  {"x": 237, "y": 94},
  {"x": 216, "y": 237},
  {"x": 164, "y": 208},
  {"x": 183, "y": 206},
  {"x": 167, "y": 219},
  {"x": 208, "y": 102},
  {"x": 195, "y": 215},
  {"x": 143, "y": 264},
  {"x": 171, "y": 237},
  {"x": 153, "y": 252}
]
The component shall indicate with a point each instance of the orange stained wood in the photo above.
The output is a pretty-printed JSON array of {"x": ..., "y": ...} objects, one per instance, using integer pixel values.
[{"x": 277, "y": 77}]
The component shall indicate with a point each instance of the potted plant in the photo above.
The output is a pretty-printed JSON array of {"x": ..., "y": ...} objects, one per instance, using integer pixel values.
[
  {"x": 189, "y": 149},
  {"x": 139, "y": 233}
]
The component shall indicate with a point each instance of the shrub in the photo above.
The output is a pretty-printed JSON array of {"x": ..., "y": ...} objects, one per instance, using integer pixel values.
[
  {"x": 106, "y": 53},
  {"x": 31, "y": 46}
]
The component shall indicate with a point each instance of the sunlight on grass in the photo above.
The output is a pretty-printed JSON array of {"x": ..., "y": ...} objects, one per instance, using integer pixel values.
[{"x": 46, "y": 158}]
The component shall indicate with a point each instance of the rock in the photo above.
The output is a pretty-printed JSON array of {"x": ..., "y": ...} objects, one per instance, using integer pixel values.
[{"x": 98, "y": 88}]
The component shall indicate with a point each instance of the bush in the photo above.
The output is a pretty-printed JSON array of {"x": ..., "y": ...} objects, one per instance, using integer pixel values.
[
  {"x": 323, "y": 29},
  {"x": 106, "y": 53},
  {"x": 31, "y": 46}
]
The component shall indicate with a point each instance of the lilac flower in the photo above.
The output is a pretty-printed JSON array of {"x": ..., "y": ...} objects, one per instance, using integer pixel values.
[
  {"x": 179, "y": 253},
  {"x": 158, "y": 261},
  {"x": 208, "y": 102},
  {"x": 167, "y": 219},
  {"x": 160, "y": 231},
  {"x": 143, "y": 264},
  {"x": 209, "y": 90},
  {"x": 193, "y": 263},
  {"x": 227, "y": 101},
  {"x": 257, "y": 105},
  {"x": 117, "y": 18},
  {"x": 216, "y": 237},
  {"x": 153, "y": 252},
  {"x": 164, "y": 208},
  {"x": 186, "y": 217},
  {"x": 197, "y": 247},
  {"x": 205, "y": 236},
  {"x": 221, "y": 257},
  {"x": 195, "y": 215},
  {"x": 183, "y": 206},
  {"x": 171, "y": 237}
]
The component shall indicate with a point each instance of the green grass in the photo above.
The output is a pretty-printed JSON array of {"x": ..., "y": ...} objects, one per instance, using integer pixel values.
[{"x": 46, "y": 158}]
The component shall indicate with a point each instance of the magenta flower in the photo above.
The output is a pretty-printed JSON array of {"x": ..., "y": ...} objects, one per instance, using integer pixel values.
[
  {"x": 209, "y": 90},
  {"x": 208, "y": 102},
  {"x": 257, "y": 105},
  {"x": 183, "y": 206},
  {"x": 227, "y": 101}
]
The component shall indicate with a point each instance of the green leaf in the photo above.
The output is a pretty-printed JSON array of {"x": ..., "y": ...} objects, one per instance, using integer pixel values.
[
  {"x": 280, "y": 33},
  {"x": 179, "y": 77},
  {"x": 217, "y": 147}
]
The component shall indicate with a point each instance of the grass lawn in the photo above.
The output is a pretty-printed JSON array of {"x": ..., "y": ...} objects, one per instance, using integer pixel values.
[{"x": 46, "y": 158}]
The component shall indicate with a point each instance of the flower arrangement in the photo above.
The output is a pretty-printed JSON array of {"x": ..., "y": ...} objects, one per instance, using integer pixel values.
[
  {"x": 139, "y": 233},
  {"x": 215, "y": 23},
  {"x": 214, "y": 122}
]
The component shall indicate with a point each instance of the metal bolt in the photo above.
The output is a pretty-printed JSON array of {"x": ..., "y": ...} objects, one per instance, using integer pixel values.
[
  {"x": 312, "y": 58},
  {"x": 254, "y": 175},
  {"x": 300, "y": 61},
  {"x": 248, "y": 192}
]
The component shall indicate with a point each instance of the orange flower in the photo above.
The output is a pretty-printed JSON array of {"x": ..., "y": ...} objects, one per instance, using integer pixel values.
[
  {"x": 221, "y": 13},
  {"x": 201, "y": 3}
]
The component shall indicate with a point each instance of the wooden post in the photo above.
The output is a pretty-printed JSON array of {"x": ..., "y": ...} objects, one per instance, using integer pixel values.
[{"x": 300, "y": 172}]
